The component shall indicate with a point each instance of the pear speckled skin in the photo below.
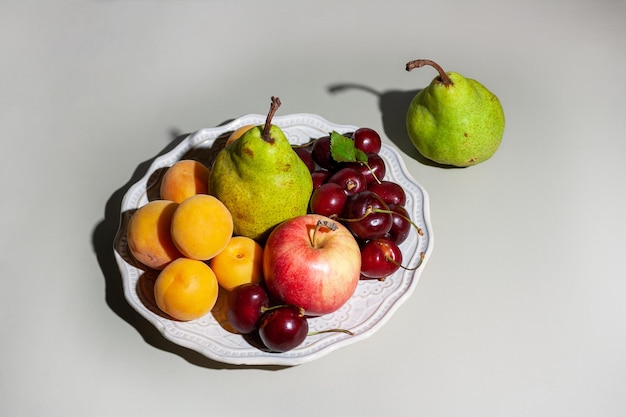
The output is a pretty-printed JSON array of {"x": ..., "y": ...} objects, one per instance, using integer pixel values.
[
  {"x": 262, "y": 183},
  {"x": 460, "y": 124}
]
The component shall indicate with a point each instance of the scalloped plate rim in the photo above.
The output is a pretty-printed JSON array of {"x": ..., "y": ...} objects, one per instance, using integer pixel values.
[{"x": 204, "y": 135}]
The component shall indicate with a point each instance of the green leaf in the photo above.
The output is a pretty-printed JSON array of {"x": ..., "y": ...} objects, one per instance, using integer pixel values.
[
  {"x": 342, "y": 149},
  {"x": 361, "y": 156}
]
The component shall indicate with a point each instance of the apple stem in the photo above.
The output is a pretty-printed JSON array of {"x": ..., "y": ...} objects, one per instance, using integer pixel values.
[
  {"x": 445, "y": 79},
  {"x": 268, "y": 121},
  {"x": 322, "y": 223}
]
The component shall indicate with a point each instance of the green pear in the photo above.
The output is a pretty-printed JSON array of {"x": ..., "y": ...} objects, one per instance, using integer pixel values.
[
  {"x": 261, "y": 180},
  {"x": 455, "y": 120}
]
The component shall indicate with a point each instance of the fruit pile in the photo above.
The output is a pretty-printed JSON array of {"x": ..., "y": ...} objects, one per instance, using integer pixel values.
[
  {"x": 285, "y": 231},
  {"x": 349, "y": 185}
]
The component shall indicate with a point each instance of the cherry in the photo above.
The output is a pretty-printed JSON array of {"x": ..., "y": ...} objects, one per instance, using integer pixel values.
[
  {"x": 389, "y": 191},
  {"x": 367, "y": 215},
  {"x": 320, "y": 151},
  {"x": 380, "y": 258},
  {"x": 307, "y": 158},
  {"x": 283, "y": 328},
  {"x": 367, "y": 140},
  {"x": 350, "y": 179},
  {"x": 328, "y": 199},
  {"x": 374, "y": 170},
  {"x": 246, "y": 304},
  {"x": 319, "y": 177},
  {"x": 401, "y": 226},
  {"x": 377, "y": 168}
]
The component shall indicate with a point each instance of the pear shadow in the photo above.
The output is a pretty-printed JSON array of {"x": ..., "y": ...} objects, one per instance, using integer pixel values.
[
  {"x": 393, "y": 106},
  {"x": 104, "y": 239}
]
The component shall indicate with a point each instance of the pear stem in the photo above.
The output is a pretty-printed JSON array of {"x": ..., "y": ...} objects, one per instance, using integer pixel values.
[
  {"x": 445, "y": 79},
  {"x": 268, "y": 121}
]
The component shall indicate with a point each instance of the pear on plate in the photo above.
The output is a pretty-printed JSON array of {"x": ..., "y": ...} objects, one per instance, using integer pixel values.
[
  {"x": 261, "y": 179},
  {"x": 455, "y": 120}
]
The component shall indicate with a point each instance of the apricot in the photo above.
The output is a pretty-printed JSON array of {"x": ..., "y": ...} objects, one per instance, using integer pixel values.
[
  {"x": 184, "y": 179},
  {"x": 241, "y": 262},
  {"x": 148, "y": 234},
  {"x": 201, "y": 227},
  {"x": 186, "y": 289},
  {"x": 238, "y": 133}
]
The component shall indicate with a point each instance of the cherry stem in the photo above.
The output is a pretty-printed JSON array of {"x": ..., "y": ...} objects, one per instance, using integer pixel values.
[
  {"x": 373, "y": 173},
  {"x": 268, "y": 121},
  {"x": 369, "y": 210},
  {"x": 445, "y": 79},
  {"x": 393, "y": 261},
  {"x": 274, "y": 307},
  {"x": 322, "y": 223},
  {"x": 331, "y": 331}
]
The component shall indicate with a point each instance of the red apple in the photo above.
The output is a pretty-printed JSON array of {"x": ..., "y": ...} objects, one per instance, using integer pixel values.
[{"x": 312, "y": 262}]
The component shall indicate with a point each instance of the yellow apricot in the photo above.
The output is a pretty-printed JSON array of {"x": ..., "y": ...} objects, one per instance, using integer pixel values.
[
  {"x": 148, "y": 234},
  {"x": 186, "y": 289},
  {"x": 201, "y": 227},
  {"x": 241, "y": 262},
  {"x": 184, "y": 179},
  {"x": 238, "y": 133}
]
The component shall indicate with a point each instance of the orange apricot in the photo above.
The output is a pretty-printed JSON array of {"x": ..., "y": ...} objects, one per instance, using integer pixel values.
[
  {"x": 238, "y": 133},
  {"x": 186, "y": 289},
  {"x": 184, "y": 179},
  {"x": 148, "y": 234},
  {"x": 201, "y": 227},
  {"x": 241, "y": 262}
]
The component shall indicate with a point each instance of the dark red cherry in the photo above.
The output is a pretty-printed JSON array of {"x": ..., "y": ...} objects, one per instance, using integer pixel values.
[
  {"x": 319, "y": 177},
  {"x": 245, "y": 307},
  {"x": 320, "y": 151},
  {"x": 328, "y": 199},
  {"x": 367, "y": 215},
  {"x": 306, "y": 157},
  {"x": 283, "y": 328},
  {"x": 350, "y": 179},
  {"x": 390, "y": 192},
  {"x": 380, "y": 258},
  {"x": 367, "y": 140},
  {"x": 401, "y": 226}
]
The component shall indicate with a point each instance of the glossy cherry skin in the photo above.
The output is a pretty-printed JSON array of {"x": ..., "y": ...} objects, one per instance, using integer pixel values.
[
  {"x": 401, "y": 226},
  {"x": 319, "y": 177},
  {"x": 320, "y": 151},
  {"x": 367, "y": 140},
  {"x": 389, "y": 191},
  {"x": 328, "y": 199},
  {"x": 380, "y": 258},
  {"x": 306, "y": 157},
  {"x": 350, "y": 179},
  {"x": 373, "y": 171},
  {"x": 245, "y": 307},
  {"x": 283, "y": 328},
  {"x": 362, "y": 218}
]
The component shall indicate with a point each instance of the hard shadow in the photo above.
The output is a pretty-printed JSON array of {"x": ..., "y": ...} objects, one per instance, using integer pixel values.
[
  {"x": 393, "y": 106},
  {"x": 104, "y": 238}
]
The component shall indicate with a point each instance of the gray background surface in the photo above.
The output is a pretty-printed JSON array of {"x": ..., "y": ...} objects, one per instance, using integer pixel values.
[{"x": 520, "y": 310}]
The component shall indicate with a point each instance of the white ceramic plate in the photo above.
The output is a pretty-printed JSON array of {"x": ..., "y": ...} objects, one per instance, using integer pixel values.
[{"x": 372, "y": 305}]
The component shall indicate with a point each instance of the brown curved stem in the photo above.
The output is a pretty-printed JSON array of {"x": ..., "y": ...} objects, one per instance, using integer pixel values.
[
  {"x": 268, "y": 121},
  {"x": 418, "y": 63}
]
